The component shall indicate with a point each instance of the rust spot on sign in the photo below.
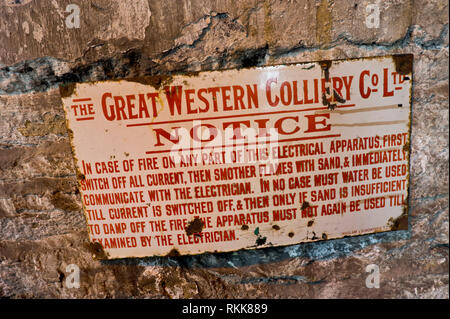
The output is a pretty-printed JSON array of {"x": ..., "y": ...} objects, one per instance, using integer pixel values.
[
  {"x": 325, "y": 65},
  {"x": 403, "y": 63},
  {"x": 194, "y": 226},
  {"x": 276, "y": 227},
  {"x": 401, "y": 222},
  {"x": 244, "y": 227},
  {"x": 97, "y": 250},
  {"x": 305, "y": 205},
  {"x": 260, "y": 240},
  {"x": 406, "y": 147},
  {"x": 173, "y": 253},
  {"x": 310, "y": 223},
  {"x": 80, "y": 176},
  {"x": 66, "y": 90}
]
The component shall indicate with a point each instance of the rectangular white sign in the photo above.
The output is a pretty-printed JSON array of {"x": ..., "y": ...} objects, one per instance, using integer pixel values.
[{"x": 240, "y": 159}]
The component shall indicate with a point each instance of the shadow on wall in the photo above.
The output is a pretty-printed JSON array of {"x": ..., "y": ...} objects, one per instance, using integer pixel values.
[{"x": 320, "y": 250}]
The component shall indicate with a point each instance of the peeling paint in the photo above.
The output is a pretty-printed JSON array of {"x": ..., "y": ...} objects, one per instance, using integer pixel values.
[
  {"x": 97, "y": 250},
  {"x": 403, "y": 63},
  {"x": 305, "y": 205},
  {"x": 194, "y": 226},
  {"x": 67, "y": 90},
  {"x": 400, "y": 223}
]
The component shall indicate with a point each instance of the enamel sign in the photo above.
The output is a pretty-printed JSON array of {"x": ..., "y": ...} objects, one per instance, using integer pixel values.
[{"x": 242, "y": 159}]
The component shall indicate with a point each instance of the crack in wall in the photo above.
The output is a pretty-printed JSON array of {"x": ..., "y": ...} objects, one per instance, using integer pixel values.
[
  {"x": 405, "y": 41},
  {"x": 200, "y": 37}
]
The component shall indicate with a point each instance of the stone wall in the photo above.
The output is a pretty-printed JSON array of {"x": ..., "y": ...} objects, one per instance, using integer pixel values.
[{"x": 42, "y": 228}]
